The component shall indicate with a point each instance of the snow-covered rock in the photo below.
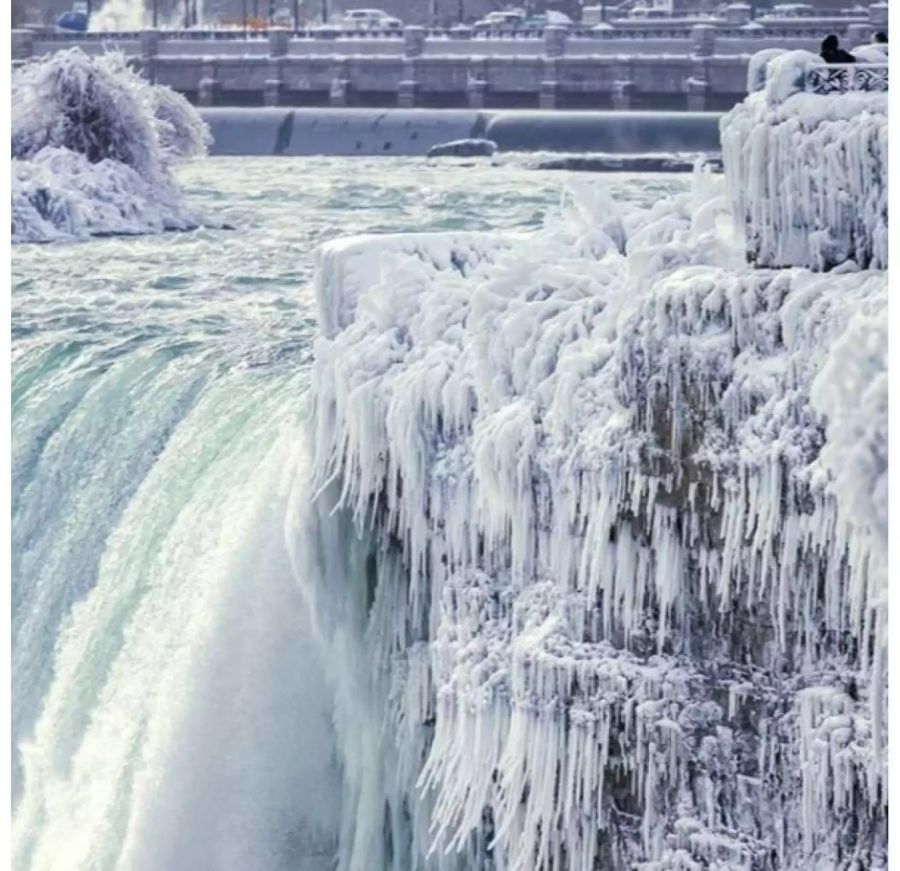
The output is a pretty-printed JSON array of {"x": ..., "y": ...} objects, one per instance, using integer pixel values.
[
  {"x": 618, "y": 604},
  {"x": 93, "y": 146},
  {"x": 464, "y": 148},
  {"x": 807, "y": 172}
]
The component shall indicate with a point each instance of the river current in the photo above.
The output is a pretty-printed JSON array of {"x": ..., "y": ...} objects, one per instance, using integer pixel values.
[{"x": 169, "y": 706}]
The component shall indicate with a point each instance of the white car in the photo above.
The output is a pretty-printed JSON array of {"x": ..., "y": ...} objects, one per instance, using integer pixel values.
[
  {"x": 501, "y": 21},
  {"x": 369, "y": 19},
  {"x": 283, "y": 18}
]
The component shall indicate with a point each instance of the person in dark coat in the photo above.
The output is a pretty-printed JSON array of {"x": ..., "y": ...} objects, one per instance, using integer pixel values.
[{"x": 831, "y": 52}]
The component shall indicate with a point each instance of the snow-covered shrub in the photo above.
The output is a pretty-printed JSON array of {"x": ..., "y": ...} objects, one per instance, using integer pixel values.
[
  {"x": 181, "y": 132},
  {"x": 60, "y": 195},
  {"x": 77, "y": 117}
]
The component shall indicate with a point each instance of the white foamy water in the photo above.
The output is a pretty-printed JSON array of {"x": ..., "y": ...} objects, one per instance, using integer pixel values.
[{"x": 169, "y": 707}]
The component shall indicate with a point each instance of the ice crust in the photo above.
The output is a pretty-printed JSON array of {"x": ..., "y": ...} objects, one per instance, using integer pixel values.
[
  {"x": 807, "y": 172},
  {"x": 93, "y": 147},
  {"x": 619, "y": 502}
]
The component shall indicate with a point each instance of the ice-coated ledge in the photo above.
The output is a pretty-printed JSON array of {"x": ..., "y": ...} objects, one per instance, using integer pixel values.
[
  {"x": 807, "y": 172},
  {"x": 345, "y": 267},
  {"x": 629, "y": 608}
]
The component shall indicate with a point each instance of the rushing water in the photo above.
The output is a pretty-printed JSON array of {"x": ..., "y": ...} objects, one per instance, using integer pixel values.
[{"x": 169, "y": 708}]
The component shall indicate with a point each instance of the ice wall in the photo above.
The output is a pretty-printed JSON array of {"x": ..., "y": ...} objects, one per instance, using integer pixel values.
[
  {"x": 807, "y": 172},
  {"x": 93, "y": 145},
  {"x": 620, "y": 596}
]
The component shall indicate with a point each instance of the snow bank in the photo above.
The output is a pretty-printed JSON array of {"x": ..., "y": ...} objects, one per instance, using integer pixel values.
[
  {"x": 807, "y": 172},
  {"x": 624, "y": 605},
  {"x": 93, "y": 145}
]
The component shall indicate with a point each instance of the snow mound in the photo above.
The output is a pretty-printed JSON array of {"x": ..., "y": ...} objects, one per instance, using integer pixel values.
[
  {"x": 93, "y": 146},
  {"x": 618, "y": 602},
  {"x": 807, "y": 172}
]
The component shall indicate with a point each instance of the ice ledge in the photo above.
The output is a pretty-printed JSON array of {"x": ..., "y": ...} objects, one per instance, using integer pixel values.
[
  {"x": 346, "y": 267},
  {"x": 807, "y": 173}
]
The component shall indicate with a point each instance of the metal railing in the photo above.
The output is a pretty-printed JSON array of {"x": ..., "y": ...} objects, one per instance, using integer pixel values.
[{"x": 846, "y": 78}]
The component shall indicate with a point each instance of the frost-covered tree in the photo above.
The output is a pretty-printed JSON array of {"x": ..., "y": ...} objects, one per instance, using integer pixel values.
[{"x": 93, "y": 129}]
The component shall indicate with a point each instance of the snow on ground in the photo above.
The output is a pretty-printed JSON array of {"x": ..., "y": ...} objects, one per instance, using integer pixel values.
[
  {"x": 93, "y": 145},
  {"x": 624, "y": 536}
]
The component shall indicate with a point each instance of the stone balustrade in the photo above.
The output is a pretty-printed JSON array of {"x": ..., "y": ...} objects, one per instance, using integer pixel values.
[{"x": 556, "y": 67}]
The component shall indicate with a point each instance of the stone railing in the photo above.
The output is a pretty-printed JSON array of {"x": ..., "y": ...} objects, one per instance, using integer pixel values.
[
  {"x": 735, "y": 23},
  {"x": 843, "y": 78}
]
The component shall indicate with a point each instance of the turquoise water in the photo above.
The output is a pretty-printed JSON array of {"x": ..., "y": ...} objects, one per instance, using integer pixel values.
[{"x": 169, "y": 709}]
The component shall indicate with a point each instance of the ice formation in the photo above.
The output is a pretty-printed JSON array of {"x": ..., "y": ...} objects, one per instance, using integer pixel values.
[
  {"x": 616, "y": 595},
  {"x": 93, "y": 146},
  {"x": 808, "y": 172}
]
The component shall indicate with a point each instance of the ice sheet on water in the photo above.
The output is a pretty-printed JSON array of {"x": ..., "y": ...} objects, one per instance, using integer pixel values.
[
  {"x": 638, "y": 595},
  {"x": 93, "y": 145}
]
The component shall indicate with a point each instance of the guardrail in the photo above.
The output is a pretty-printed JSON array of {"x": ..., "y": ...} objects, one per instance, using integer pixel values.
[
  {"x": 639, "y": 29},
  {"x": 846, "y": 78}
]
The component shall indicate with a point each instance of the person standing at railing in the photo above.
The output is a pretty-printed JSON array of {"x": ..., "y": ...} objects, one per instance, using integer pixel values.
[
  {"x": 875, "y": 52},
  {"x": 832, "y": 53}
]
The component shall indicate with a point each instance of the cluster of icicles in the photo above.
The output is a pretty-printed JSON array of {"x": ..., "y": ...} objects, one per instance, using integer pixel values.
[
  {"x": 620, "y": 613},
  {"x": 808, "y": 173}
]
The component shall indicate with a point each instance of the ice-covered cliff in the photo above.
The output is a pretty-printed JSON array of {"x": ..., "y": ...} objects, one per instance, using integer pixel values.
[
  {"x": 807, "y": 171},
  {"x": 616, "y": 596},
  {"x": 93, "y": 145}
]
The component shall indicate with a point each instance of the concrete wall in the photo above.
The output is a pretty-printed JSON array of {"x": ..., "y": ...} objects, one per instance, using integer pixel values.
[
  {"x": 512, "y": 81},
  {"x": 272, "y": 131}
]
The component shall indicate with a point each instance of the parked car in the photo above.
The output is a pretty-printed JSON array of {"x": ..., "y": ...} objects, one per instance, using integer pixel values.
[
  {"x": 369, "y": 19},
  {"x": 643, "y": 12},
  {"x": 283, "y": 18},
  {"x": 791, "y": 10},
  {"x": 539, "y": 22},
  {"x": 75, "y": 19},
  {"x": 510, "y": 20}
]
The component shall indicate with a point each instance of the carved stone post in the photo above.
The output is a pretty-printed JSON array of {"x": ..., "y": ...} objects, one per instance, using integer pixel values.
[
  {"x": 279, "y": 41},
  {"x": 210, "y": 86},
  {"x": 547, "y": 98},
  {"x": 555, "y": 40},
  {"x": 703, "y": 37},
  {"x": 22, "y": 44},
  {"x": 413, "y": 41},
  {"x": 339, "y": 84},
  {"x": 476, "y": 88}
]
